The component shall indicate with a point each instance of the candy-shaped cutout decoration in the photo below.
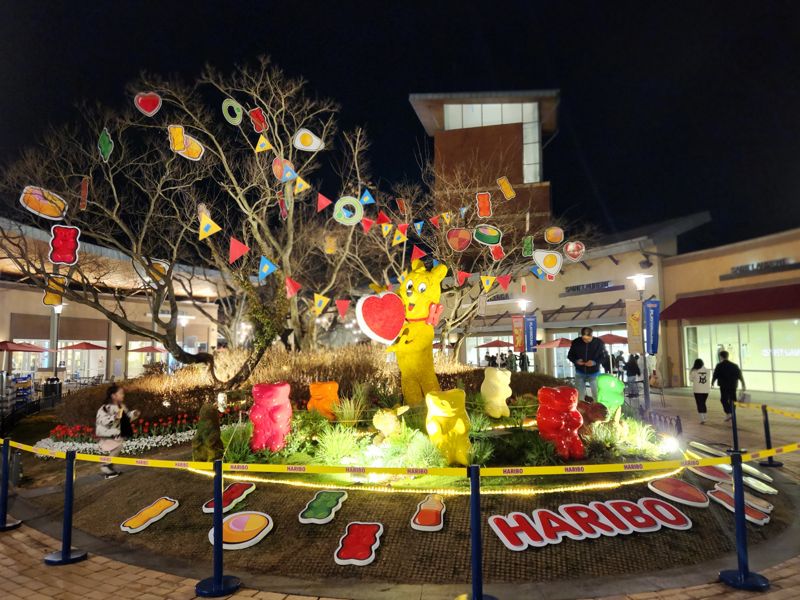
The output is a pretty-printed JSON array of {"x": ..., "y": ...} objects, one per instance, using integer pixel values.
[
  {"x": 243, "y": 529},
  {"x": 348, "y": 210},
  {"x": 381, "y": 317},
  {"x": 554, "y": 235},
  {"x": 679, "y": 491},
  {"x": 430, "y": 514},
  {"x": 147, "y": 103},
  {"x": 150, "y": 270},
  {"x": 496, "y": 390},
  {"x": 527, "y": 246},
  {"x": 232, "y": 495},
  {"x": 483, "y": 200},
  {"x": 458, "y": 239},
  {"x": 549, "y": 261},
  {"x": 505, "y": 187},
  {"x": 322, "y": 508},
  {"x": 149, "y": 515},
  {"x": 359, "y": 544},
  {"x": 271, "y": 416},
  {"x": 232, "y": 111},
  {"x": 573, "y": 251},
  {"x": 258, "y": 119},
  {"x": 324, "y": 398},
  {"x": 307, "y": 141},
  {"x": 65, "y": 244},
  {"x": 487, "y": 235},
  {"x": 54, "y": 290},
  {"x": 447, "y": 424},
  {"x": 497, "y": 252},
  {"x": 279, "y": 165},
  {"x": 559, "y": 420},
  {"x": 43, "y": 203},
  {"x": 105, "y": 145}
]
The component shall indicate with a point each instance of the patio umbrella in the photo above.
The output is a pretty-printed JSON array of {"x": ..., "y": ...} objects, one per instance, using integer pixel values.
[
  {"x": 497, "y": 344},
  {"x": 557, "y": 343},
  {"x": 149, "y": 349},
  {"x": 84, "y": 346},
  {"x": 20, "y": 347},
  {"x": 612, "y": 338}
]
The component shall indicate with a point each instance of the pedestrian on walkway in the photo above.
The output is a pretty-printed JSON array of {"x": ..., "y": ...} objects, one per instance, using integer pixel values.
[
  {"x": 728, "y": 374},
  {"x": 586, "y": 353},
  {"x": 701, "y": 386},
  {"x": 113, "y": 425},
  {"x": 523, "y": 362},
  {"x": 512, "y": 362},
  {"x": 632, "y": 370}
]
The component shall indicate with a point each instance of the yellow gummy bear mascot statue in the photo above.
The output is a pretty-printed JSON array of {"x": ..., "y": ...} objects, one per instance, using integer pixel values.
[{"x": 420, "y": 291}]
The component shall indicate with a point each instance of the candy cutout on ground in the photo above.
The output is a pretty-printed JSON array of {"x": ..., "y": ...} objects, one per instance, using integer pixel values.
[
  {"x": 359, "y": 544},
  {"x": 43, "y": 203},
  {"x": 758, "y": 485},
  {"x": 322, "y": 508},
  {"x": 65, "y": 243},
  {"x": 712, "y": 473},
  {"x": 678, "y": 490},
  {"x": 751, "y": 514},
  {"x": 430, "y": 514},
  {"x": 749, "y": 499},
  {"x": 243, "y": 529},
  {"x": 149, "y": 515},
  {"x": 231, "y": 496}
]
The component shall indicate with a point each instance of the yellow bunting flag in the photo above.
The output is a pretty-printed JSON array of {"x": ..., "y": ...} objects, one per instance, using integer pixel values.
[
  {"x": 207, "y": 226},
  {"x": 386, "y": 228},
  {"x": 399, "y": 238},
  {"x": 262, "y": 145},
  {"x": 447, "y": 216},
  {"x": 487, "y": 281},
  {"x": 300, "y": 185},
  {"x": 320, "y": 302}
]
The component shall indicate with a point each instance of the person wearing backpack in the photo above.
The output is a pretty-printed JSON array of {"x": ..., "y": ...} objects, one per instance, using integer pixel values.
[
  {"x": 700, "y": 377},
  {"x": 113, "y": 426}
]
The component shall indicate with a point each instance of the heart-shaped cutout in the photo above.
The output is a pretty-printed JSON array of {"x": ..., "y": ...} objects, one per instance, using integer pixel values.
[
  {"x": 148, "y": 103},
  {"x": 459, "y": 239},
  {"x": 574, "y": 251},
  {"x": 381, "y": 318}
]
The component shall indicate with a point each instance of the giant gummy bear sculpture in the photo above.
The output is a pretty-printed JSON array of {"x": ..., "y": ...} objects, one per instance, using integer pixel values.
[
  {"x": 496, "y": 389},
  {"x": 420, "y": 292},
  {"x": 324, "y": 397},
  {"x": 271, "y": 416},
  {"x": 559, "y": 420},
  {"x": 610, "y": 393},
  {"x": 447, "y": 424}
]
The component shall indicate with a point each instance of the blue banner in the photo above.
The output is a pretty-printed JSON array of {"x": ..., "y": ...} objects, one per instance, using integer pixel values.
[
  {"x": 530, "y": 333},
  {"x": 652, "y": 311}
]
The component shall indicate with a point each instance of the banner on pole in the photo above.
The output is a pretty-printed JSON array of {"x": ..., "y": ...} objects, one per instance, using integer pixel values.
[
  {"x": 530, "y": 333},
  {"x": 652, "y": 312},
  {"x": 633, "y": 318},
  {"x": 518, "y": 332}
]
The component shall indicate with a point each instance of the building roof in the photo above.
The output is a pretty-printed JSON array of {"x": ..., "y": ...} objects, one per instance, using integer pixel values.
[{"x": 430, "y": 107}]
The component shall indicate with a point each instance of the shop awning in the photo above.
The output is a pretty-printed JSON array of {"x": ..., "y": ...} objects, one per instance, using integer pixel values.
[{"x": 784, "y": 297}]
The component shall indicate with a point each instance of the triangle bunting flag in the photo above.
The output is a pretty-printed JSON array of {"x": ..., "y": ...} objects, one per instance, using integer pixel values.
[
  {"x": 417, "y": 253},
  {"x": 292, "y": 287},
  {"x": 418, "y": 226},
  {"x": 320, "y": 302},
  {"x": 207, "y": 226},
  {"x": 300, "y": 185},
  {"x": 504, "y": 281},
  {"x": 487, "y": 281},
  {"x": 342, "y": 306},
  {"x": 386, "y": 228},
  {"x": 323, "y": 202},
  {"x": 399, "y": 237},
  {"x": 462, "y": 276},
  {"x": 262, "y": 145},
  {"x": 367, "y": 224},
  {"x": 266, "y": 267},
  {"x": 366, "y": 198},
  {"x": 237, "y": 250}
]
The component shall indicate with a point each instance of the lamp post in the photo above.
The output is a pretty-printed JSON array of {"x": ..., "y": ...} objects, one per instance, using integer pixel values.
[
  {"x": 57, "y": 314},
  {"x": 640, "y": 282}
]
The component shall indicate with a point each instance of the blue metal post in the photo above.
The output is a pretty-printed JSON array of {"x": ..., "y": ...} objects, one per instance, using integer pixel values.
[
  {"x": 770, "y": 462},
  {"x": 741, "y": 578},
  {"x": 474, "y": 472},
  {"x": 218, "y": 584},
  {"x": 6, "y": 524},
  {"x": 67, "y": 555},
  {"x": 735, "y": 429}
]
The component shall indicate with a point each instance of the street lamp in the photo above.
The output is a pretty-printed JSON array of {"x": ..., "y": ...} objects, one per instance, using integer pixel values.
[
  {"x": 640, "y": 282},
  {"x": 57, "y": 313}
]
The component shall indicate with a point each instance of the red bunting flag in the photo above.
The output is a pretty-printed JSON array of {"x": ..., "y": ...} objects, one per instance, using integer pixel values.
[
  {"x": 367, "y": 223},
  {"x": 504, "y": 281},
  {"x": 417, "y": 253},
  {"x": 342, "y": 306},
  {"x": 403, "y": 228},
  {"x": 435, "y": 221},
  {"x": 461, "y": 277},
  {"x": 237, "y": 250},
  {"x": 292, "y": 287},
  {"x": 382, "y": 218},
  {"x": 323, "y": 202}
]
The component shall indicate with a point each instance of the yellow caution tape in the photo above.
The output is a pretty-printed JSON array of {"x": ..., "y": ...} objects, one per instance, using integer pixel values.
[{"x": 775, "y": 411}]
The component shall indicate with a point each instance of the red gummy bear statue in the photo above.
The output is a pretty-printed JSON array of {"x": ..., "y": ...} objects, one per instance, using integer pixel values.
[
  {"x": 271, "y": 416},
  {"x": 64, "y": 244},
  {"x": 559, "y": 420}
]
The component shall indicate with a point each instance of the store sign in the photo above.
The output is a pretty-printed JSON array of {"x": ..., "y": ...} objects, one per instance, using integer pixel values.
[
  {"x": 760, "y": 268},
  {"x": 590, "y": 288},
  {"x": 530, "y": 333},
  {"x": 518, "y": 332},
  {"x": 518, "y": 531},
  {"x": 652, "y": 310},
  {"x": 633, "y": 318}
]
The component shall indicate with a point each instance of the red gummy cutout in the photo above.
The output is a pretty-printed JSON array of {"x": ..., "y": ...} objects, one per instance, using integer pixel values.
[
  {"x": 64, "y": 244},
  {"x": 359, "y": 543}
]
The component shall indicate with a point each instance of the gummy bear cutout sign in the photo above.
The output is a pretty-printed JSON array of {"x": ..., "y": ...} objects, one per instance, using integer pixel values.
[
  {"x": 322, "y": 508},
  {"x": 359, "y": 544},
  {"x": 381, "y": 317},
  {"x": 64, "y": 244}
]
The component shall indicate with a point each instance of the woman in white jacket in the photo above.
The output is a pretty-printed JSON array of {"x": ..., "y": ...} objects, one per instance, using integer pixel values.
[
  {"x": 109, "y": 428},
  {"x": 700, "y": 377}
]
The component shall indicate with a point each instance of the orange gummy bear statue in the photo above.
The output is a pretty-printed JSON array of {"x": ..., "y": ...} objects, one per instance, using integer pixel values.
[
  {"x": 559, "y": 420},
  {"x": 324, "y": 396}
]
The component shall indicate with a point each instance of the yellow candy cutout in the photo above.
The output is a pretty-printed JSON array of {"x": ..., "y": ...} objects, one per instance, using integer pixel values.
[
  {"x": 54, "y": 290},
  {"x": 177, "y": 138},
  {"x": 149, "y": 515},
  {"x": 420, "y": 292},
  {"x": 496, "y": 389},
  {"x": 447, "y": 424},
  {"x": 194, "y": 150}
]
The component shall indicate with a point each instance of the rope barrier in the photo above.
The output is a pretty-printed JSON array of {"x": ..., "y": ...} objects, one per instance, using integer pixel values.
[{"x": 775, "y": 411}]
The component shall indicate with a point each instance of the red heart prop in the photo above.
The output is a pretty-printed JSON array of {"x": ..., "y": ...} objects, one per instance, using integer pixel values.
[
  {"x": 574, "y": 250},
  {"x": 382, "y": 317},
  {"x": 148, "y": 103}
]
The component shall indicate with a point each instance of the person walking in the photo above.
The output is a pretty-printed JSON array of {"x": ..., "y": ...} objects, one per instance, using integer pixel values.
[
  {"x": 728, "y": 374},
  {"x": 523, "y": 362},
  {"x": 700, "y": 377},
  {"x": 503, "y": 361},
  {"x": 619, "y": 365},
  {"x": 586, "y": 353},
  {"x": 113, "y": 425},
  {"x": 512, "y": 362}
]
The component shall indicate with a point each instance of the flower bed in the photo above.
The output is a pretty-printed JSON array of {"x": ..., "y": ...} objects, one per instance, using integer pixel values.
[{"x": 132, "y": 446}]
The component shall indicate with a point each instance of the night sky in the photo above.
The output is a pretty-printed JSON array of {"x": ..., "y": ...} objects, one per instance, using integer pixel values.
[{"x": 666, "y": 108}]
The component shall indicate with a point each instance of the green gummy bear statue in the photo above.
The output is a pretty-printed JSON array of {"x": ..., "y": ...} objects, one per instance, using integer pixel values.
[{"x": 610, "y": 393}]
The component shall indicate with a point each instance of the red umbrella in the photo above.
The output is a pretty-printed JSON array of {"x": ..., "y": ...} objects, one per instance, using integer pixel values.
[
  {"x": 496, "y": 344},
  {"x": 84, "y": 346},
  {"x": 611, "y": 338},
  {"x": 149, "y": 349},
  {"x": 556, "y": 343},
  {"x": 20, "y": 347}
]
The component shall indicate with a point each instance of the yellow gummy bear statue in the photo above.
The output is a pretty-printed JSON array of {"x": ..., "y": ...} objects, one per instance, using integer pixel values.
[
  {"x": 447, "y": 424},
  {"x": 420, "y": 292}
]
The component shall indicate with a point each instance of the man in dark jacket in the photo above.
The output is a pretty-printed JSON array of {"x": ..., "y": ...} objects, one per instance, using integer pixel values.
[
  {"x": 728, "y": 374},
  {"x": 586, "y": 353}
]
